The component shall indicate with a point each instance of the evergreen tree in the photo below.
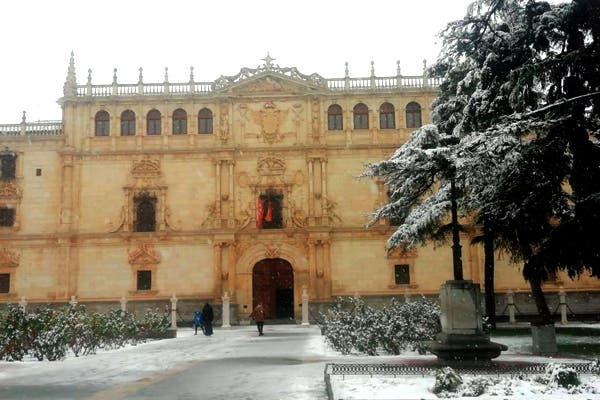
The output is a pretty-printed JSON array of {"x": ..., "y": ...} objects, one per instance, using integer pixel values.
[{"x": 521, "y": 83}]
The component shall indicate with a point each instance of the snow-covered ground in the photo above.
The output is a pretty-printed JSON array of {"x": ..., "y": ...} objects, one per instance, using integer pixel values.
[{"x": 287, "y": 363}]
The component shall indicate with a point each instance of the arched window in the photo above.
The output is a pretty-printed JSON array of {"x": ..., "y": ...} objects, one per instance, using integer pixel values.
[
  {"x": 387, "y": 116},
  {"x": 335, "y": 118},
  {"x": 127, "y": 123},
  {"x": 153, "y": 122},
  {"x": 413, "y": 115},
  {"x": 179, "y": 122},
  {"x": 102, "y": 120},
  {"x": 205, "y": 121},
  {"x": 145, "y": 213},
  {"x": 361, "y": 116}
]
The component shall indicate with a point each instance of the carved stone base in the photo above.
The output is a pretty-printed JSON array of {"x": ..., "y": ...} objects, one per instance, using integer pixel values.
[{"x": 449, "y": 347}]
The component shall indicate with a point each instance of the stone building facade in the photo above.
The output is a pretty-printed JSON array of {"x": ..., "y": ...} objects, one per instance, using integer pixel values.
[{"x": 245, "y": 185}]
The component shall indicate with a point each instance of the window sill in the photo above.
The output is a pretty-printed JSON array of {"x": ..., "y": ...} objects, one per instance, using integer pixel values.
[
  {"x": 143, "y": 293},
  {"x": 404, "y": 286}
]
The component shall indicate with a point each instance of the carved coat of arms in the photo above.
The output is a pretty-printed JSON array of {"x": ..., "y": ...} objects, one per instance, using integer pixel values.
[{"x": 270, "y": 119}]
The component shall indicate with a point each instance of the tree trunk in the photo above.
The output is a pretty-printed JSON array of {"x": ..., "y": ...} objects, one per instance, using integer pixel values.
[
  {"x": 488, "y": 263},
  {"x": 535, "y": 282}
]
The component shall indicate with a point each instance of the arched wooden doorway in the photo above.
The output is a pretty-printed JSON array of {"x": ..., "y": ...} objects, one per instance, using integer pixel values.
[{"x": 273, "y": 286}]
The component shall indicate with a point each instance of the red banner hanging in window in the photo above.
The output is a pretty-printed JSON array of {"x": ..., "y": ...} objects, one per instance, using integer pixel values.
[
  {"x": 269, "y": 216},
  {"x": 259, "y": 212}
]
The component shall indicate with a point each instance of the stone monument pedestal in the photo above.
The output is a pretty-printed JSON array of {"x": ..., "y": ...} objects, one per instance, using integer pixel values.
[
  {"x": 544, "y": 339},
  {"x": 462, "y": 336}
]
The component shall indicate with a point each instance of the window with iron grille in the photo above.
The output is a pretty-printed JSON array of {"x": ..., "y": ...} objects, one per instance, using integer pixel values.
[
  {"x": 335, "y": 118},
  {"x": 144, "y": 280},
  {"x": 102, "y": 123},
  {"x": 8, "y": 166},
  {"x": 361, "y": 116},
  {"x": 127, "y": 123},
  {"x": 205, "y": 121},
  {"x": 387, "y": 116},
  {"x": 4, "y": 283},
  {"x": 179, "y": 122},
  {"x": 401, "y": 274},
  {"x": 153, "y": 121},
  {"x": 7, "y": 216}
]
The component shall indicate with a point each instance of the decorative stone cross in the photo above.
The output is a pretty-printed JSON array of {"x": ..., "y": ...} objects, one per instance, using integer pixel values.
[{"x": 268, "y": 61}]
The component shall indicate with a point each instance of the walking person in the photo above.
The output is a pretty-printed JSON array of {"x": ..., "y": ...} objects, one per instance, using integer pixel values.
[
  {"x": 198, "y": 321},
  {"x": 207, "y": 319},
  {"x": 259, "y": 317}
]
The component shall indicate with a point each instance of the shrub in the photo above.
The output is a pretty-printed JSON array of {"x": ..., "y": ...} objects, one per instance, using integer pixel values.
[
  {"x": 350, "y": 325},
  {"x": 153, "y": 324},
  {"x": 562, "y": 376},
  {"x": 446, "y": 380},
  {"x": 476, "y": 386},
  {"x": 49, "y": 333},
  {"x": 14, "y": 335}
]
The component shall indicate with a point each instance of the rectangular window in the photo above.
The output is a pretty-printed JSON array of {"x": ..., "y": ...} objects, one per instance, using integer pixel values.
[
  {"x": 270, "y": 211},
  {"x": 4, "y": 283},
  {"x": 144, "y": 280},
  {"x": 8, "y": 166},
  {"x": 401, "y": 274},
  {"x": 7, "y": 216}
]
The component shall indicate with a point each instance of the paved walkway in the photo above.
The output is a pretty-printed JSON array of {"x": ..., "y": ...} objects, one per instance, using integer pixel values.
[{"x": 287, "y": 363}]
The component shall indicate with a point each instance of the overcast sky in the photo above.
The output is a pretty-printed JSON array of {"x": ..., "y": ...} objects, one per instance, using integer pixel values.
[{"x": 216, "y": 37}]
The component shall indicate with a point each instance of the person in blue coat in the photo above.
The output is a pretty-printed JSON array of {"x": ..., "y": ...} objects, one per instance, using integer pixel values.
[{"x": 197, "y": 321}]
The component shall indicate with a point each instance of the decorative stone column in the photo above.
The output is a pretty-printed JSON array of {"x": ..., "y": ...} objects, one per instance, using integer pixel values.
[
  {"x": 462, "y": 336},
  {"x": 23, "y": 304},
  {"x": 173, "y": 312},
  {"x": 225, "y": 323},
  {"x": 305, "y": 307},
  {"x": 510, "y": 301},
  {"x": 123, "y": 304},
  {"x": 562, "y": 304}
]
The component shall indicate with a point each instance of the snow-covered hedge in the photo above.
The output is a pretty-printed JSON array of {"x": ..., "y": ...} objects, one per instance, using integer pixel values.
[
  {"x": 352, "y": 326},
  {"x": 557, "y": 379},
  {"x": 47, "y": 333}
]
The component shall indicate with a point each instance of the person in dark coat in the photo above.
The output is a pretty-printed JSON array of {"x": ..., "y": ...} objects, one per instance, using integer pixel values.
[
  {"x": 207, "y": 319},
  {"x": 197, "y": 321},
  {"x": 259, "y": 317}
]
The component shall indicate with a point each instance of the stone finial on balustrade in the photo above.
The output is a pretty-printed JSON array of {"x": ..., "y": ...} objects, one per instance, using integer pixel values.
[
  {"x": 425, "y": 78},
  {"x": 398, "y": 70},
  {"x": 347, "y": 72},
  {"x": 166, "y": 74},
  {"x": 23, "y": 124},
  {"x": 373, "y": 84},
  {"x": 88, "y": 89},
  {"x": 70, "y": 86},
  {"x": 115, "y": 86},
  {"x": 141, "y": 75},
  {"x": 192, "y": 84}
]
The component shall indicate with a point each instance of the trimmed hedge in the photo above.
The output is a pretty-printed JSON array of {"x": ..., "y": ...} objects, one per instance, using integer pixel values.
[{"x": 47, "y": 333}]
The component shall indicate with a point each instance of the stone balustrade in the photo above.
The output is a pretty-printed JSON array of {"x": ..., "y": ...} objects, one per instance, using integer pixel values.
[
  {"x": 41, "y": 128},
  {"x": 207, "y": 88}
]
